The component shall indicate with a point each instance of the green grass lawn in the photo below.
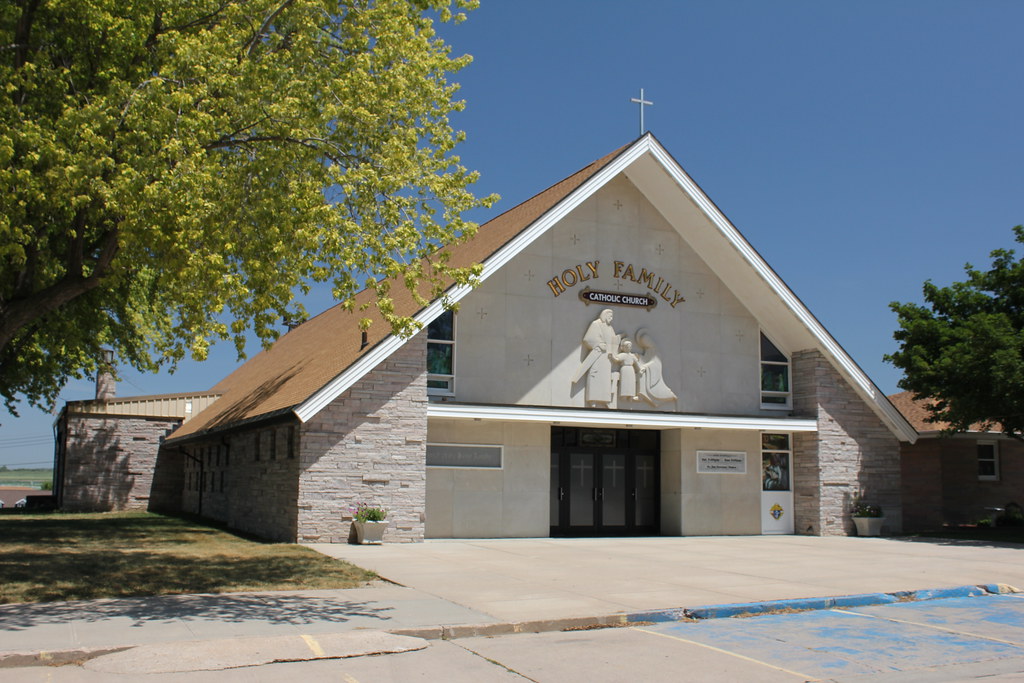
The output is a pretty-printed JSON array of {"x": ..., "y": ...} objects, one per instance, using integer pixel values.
[{"x": 57, "y": 556}]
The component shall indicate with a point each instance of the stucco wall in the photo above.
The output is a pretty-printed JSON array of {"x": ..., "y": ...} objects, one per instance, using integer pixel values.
[
  {"x": 519, "y": 338},
  {"x": 491, "y": 503}
]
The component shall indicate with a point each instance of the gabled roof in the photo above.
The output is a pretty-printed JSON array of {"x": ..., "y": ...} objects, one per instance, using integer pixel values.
[
  {"x": 315, "y": 363},
  {"x": 917, "y": 414}
]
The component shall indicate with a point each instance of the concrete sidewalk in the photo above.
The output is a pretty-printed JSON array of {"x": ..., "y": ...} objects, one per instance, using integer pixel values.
[
  {"x": 530, "y": 579},
  {"x": 457, "y": 588}
]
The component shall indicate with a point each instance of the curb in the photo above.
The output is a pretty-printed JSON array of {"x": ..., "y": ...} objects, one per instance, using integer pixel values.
[
  {"x": 837, "y": 602},
  {"x": 454, "y": 631}
]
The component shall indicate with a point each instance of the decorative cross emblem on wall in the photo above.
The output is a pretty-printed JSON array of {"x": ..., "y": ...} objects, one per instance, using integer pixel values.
[
  {"x": 529, "y": 360},
  {"x": 701, "y": 371},
  {"x": 740, "y": 335},
  {"x": 574, "y": 239},
  {"x": 700, "y": 293},
  {"x": 617, "y": 204},
  {"x": 482, "y": 313},
  {"x": 618, "y": 285},
  {"x": 660, "y": 249},
  {"x": 529, "y": 275}
]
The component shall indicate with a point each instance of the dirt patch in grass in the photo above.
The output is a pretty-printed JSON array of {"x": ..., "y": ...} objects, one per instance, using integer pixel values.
[{"x": 107, "y": 555}]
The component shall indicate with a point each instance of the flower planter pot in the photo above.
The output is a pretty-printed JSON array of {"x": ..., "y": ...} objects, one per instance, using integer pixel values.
[
  {"x": 370, "y": 532},
  {"x": 869, "y": 526}
]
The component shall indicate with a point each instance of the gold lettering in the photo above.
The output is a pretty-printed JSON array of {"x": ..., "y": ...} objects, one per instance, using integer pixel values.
[
  {"x": 593, "y": 267},
  {"x": 655, "y": 287},
  {"x": 556, "y": 286},
  {"x": 662, "y": 292},
  {"x": 678, "y": 298},
  {"x": 569, "y": 273},
  {"x": 646, "y": 277},
  {"x": 583, "y": 276},
  {"x": 629, "y": 272},
  {"x": 618, "y": 269}
]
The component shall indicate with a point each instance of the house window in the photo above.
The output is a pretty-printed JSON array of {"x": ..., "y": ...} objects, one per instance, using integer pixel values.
[
  {"x": 291, "y": 441},
  {"x": 273, "y": 443},
  {"x": 441, "y": 354},
  {"x": 775, "y": 391},
  {"x": 988, "y": 461}
]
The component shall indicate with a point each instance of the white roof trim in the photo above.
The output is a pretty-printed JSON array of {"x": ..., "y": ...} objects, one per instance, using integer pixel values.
[
  {"x": 318, "y": 401},
  {"x": 646, "y": 144},
  {"x": 608, "y": 418}
]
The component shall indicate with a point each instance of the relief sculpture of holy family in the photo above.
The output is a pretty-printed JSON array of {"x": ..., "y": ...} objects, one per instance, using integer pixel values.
[{"x": 620, "y": 371}]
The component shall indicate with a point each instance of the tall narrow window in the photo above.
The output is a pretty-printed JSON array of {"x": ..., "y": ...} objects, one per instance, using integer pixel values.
[
  {"x": 441, "y": 354},
  {"x": 775, "y": 462},
  {"x": 775, "y": 391},
  {"x": 988, "y": 461}
]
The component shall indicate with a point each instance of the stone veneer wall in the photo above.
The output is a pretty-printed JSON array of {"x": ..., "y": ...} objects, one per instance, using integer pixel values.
[
  {"x": 369, "y": 446},
  {"x": 109, "y": 461},
  {"x": 852, "y": 454}
]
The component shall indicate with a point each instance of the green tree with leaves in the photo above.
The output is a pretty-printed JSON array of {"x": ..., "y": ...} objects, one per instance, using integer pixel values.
[
  {"x": 965, "y": 348},
  {"x": 173, "y": 171}
]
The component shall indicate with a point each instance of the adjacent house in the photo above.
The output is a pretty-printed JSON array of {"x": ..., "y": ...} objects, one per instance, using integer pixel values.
[{"x": 957, "y": 479}]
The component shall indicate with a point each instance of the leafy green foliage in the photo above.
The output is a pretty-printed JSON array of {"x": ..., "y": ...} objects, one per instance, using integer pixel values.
[
  {"x": 965, "y": 348},
  {"x": 172, "y": 172}
]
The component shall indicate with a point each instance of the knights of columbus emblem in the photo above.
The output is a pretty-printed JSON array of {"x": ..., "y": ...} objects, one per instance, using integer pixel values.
[{"x": 776, "y": 511}]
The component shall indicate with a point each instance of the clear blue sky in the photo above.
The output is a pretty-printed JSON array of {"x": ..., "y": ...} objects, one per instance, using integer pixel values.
[{"x": 862, "y": 147}]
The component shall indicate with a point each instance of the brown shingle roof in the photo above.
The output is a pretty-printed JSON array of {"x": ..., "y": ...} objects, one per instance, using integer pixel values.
[
  {"x": 917, "y": 414},
  {"x": 308, "y": 357}
]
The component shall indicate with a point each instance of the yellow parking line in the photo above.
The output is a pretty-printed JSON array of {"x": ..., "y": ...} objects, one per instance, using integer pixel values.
[
  {"x": 314, "y": 646},
  {"x": 931, "y": 626},
  {"x": 726, "y": 652}
]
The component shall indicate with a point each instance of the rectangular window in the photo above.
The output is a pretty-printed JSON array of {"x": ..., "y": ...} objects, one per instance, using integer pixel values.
[
  {"x": 775, "y": 392},
  {"x": 291, "y": 442},
  {"x": 776, "y": 455},
  {"x": 988, "y": 461},
  {"x": 273, "y": 443},
  {"x": 461, "y": 455},
  {"x": 441, "y": 354},
  {"x": 256, "y": 448}
]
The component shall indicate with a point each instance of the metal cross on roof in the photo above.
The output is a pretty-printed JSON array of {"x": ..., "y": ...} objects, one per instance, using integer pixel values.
[{"x": 641, "y": 102}]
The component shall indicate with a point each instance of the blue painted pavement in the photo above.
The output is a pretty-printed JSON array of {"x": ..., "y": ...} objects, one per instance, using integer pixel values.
[{"x": 870, "y": 639}]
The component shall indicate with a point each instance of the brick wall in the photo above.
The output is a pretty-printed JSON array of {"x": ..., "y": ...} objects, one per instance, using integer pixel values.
[
  {"x": 247, "y": 480},
  {"x": 109, "y": 461},
  {"x": 852, "y": 454},
  {"x": 368, "y": 446},
  {"x": 941, "y": 485}
]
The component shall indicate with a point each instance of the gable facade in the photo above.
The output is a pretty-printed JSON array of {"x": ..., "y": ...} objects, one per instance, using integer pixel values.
[{"x": 628, "y": 365}]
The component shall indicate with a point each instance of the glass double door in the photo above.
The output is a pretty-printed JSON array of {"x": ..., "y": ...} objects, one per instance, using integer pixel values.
[{"x": 604, "y": 491}]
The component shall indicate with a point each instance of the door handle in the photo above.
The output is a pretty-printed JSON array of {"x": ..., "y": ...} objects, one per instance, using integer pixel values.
[{"x": 561, "y": 493}]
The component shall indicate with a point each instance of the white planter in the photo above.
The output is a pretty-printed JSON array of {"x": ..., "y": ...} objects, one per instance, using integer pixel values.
[
  {"x": 869, "y": 526},
  {"x": 370, "y": 532}
]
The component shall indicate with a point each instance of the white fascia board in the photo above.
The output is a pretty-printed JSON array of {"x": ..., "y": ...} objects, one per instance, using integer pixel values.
[
  {"x": 750, "y": 255},
  {"x": 318, "y": 401},
  {"x": 602, "y": 418}
]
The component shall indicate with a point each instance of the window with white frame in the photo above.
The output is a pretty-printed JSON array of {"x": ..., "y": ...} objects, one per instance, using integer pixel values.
[
  {"x": 775, "y": 391},
  {"x": 988, "y": 461},
  {"x": 441, "y": 354},
  {"x": 776, "y": 459}
]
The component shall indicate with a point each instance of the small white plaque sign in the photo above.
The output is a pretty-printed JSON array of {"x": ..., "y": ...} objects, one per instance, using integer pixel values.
[{"x": 721, "y": 462}]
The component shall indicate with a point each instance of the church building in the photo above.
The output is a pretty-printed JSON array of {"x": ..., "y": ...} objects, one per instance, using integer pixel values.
[{"x": 628, "y": 365}]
